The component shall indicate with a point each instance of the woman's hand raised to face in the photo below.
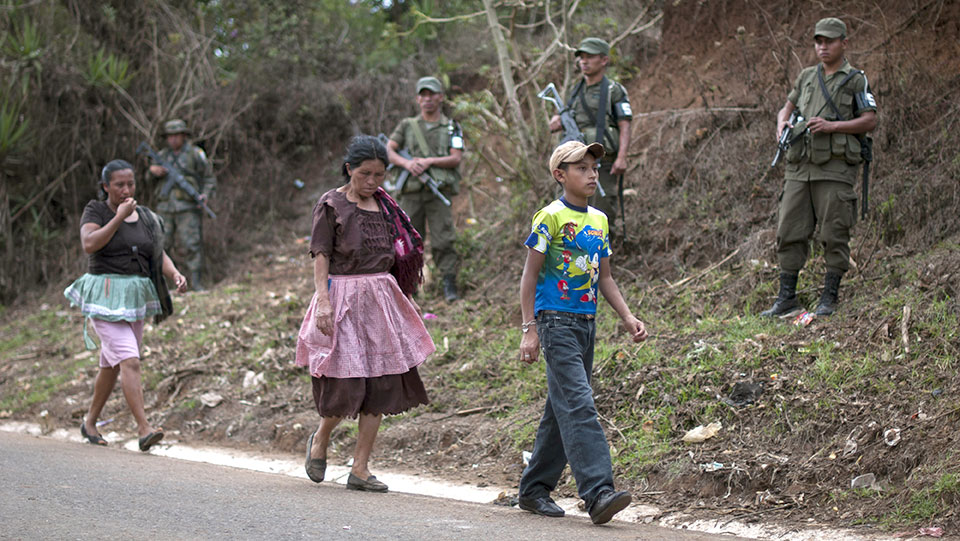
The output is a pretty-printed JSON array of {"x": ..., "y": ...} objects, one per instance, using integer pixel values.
[
  {"x": 324, "y": 318},
  {"x": 127, "y": 207}
]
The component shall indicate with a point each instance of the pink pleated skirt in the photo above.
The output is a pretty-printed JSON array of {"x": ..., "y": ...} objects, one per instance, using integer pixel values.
[{"x": 376, "y": 330}]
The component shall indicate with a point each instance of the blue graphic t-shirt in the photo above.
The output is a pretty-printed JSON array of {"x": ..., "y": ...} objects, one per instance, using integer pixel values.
[{"x": 574, "y": 240}]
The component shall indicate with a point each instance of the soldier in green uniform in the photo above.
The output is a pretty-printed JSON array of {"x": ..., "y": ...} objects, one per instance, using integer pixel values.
[
  {"x": 181, "y": 214},
  {"x": 436, "y": 144},
  {"x": 822, "y": 165},
  {"x": 593, "y": 56}
]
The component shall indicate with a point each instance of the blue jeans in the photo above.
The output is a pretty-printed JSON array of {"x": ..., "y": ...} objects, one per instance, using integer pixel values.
[{"x": 569, "y": 429}]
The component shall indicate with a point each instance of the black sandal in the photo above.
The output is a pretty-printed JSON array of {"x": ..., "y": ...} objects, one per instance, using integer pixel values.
[
  {"x": 147, "y": 441},
  {"x": 95, "y": 439}
]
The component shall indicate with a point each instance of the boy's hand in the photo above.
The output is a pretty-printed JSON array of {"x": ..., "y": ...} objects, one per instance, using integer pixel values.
[
  {"x": 636, "y": 328},
  {"x": 530, "y": 347}
]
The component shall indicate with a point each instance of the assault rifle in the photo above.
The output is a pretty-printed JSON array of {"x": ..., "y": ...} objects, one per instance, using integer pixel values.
[
  {"x": 174, "y": 178},
  {"x": 571, "y": 132},
  {"x": 784, "y": 143},
  {"x": 397, "y": 186}
]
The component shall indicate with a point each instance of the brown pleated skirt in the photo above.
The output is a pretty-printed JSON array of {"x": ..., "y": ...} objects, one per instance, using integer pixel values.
[{"x": 383, "y": 395}]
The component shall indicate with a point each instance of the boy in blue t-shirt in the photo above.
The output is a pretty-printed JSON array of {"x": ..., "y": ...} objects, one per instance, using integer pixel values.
[{"x": 567, "y": 263}]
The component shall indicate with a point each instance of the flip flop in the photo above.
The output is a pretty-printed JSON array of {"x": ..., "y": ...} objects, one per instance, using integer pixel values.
[
  {"x": 316, "y": 467},
  {"x": 150, "y": 439},
  {"x": 95, "y": 439}
]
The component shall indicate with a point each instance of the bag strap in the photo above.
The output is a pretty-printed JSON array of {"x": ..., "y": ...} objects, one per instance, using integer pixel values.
[
  {"x": 601, "y": 115},
  {"x": 576, "y": 92},
  {"x": 826, "y": 93},
  {"x": 421, "y": 140}
]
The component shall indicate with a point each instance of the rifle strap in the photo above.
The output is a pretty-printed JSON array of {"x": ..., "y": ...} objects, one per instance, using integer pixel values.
[
  {"x": 421, "y": 140},
  {"x": 600, "y": 121}
]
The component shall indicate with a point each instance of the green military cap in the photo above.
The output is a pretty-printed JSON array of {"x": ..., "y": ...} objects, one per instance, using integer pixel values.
[
  {"x": 593, "y": 46},
  {"x": 831, "y": 27},
  {"x": 175, "y": 126},
  {"x": 430, "y": 83}
]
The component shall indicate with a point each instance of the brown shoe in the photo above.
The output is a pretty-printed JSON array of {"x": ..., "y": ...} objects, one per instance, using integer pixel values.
[
  {"x": 370, "y": 484},
  {"x": 316, "y": 467}
]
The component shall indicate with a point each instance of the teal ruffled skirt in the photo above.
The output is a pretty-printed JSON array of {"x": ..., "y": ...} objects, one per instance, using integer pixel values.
[{"x": 113, "y": 297}]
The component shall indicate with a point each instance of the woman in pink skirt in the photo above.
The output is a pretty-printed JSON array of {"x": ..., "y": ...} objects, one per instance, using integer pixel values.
[
  {"x": 123, "y": 286},
  {"x": 362, "y": 336}
]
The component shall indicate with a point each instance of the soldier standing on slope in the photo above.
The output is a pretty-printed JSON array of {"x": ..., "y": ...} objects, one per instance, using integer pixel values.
[{"x": 822, "y": 163}]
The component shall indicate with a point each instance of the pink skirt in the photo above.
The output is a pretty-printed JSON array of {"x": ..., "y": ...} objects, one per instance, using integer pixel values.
[{"x": 376, "y": 330}]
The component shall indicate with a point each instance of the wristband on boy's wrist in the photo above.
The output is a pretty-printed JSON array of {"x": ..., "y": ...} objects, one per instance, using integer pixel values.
[{"x": 526, "y": 326}]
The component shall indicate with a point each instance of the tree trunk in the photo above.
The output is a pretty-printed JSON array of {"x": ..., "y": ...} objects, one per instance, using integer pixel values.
[{"x": 506, "y": 74}]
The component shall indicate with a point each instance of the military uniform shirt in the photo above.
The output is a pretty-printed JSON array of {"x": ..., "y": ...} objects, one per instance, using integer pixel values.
[
  {"x": 196, "y": 170},
  {"x": 574, "y": 240},
  {"x": 826, "y": 156},
  {"x": 617, "y": 109},
  {"x": 437, "y": 136}
]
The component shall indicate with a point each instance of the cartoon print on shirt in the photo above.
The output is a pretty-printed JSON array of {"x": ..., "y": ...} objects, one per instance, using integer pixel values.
[
  {"x": 565, "y": 261},
  {"x": 564, "y": 289}
]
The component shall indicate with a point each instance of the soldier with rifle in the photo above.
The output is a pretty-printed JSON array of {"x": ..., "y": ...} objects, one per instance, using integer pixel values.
[
  {"x": 429, "y": 147},
  {"x": 825, "y": 145},
  {"x": 601, "y": 108},
  {"x": 181, "y": 204}
]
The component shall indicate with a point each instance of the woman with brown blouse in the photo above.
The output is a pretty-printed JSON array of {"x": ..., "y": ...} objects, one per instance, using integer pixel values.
[{"x": 363, "y": 336}]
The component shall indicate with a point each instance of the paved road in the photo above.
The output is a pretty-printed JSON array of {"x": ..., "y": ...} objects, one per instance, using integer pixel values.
[{"x": 51, "y": 489}]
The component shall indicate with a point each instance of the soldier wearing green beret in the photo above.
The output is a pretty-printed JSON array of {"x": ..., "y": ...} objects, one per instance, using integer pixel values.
[
  {"x": 181, "y": 214},
  {"x": 822, "y": 163},
  {"x": 435, "y": 143},
  {"x": 612, "y": 130}
]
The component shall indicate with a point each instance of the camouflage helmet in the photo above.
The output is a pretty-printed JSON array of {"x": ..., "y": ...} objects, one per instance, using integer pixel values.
[{"x": 175, "y": 126}]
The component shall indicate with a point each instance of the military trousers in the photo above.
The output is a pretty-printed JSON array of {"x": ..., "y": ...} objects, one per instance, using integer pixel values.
[
  {"x": 185, "y": 229},
  {"x": 804, "y": 206},
  {"x": 429, "y": 215},
  {"x": 607, "y": 204}
]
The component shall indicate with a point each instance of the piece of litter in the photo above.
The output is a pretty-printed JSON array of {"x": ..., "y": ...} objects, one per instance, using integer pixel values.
[
  {"x": 104, "y": 422},
  {"x": 712, "y": 466},
  {"x": 867, "y": 480},
  {"x": 891, "y": 436},
  {"x": 702, "y": 433},
  {"x": 428, "y": 315},
  {"x": 210, "y": 399},
  {"x": 804, "y": 318}
]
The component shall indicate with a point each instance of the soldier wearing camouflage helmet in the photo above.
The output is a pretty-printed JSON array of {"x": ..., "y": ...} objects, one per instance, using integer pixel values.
[
  {"x": 181, "y": 214},
  {"x": 612, "y": 130},
  {"x": 825, "y": 153},
  {"x": 435, "y": 143}
]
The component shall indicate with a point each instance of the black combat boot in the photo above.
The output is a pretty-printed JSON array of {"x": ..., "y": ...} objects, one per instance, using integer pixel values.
[
  {"x": 831, "y": 289},
  {"x": 787, "y": 299},
  {"x": 450, "y": 288}
]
